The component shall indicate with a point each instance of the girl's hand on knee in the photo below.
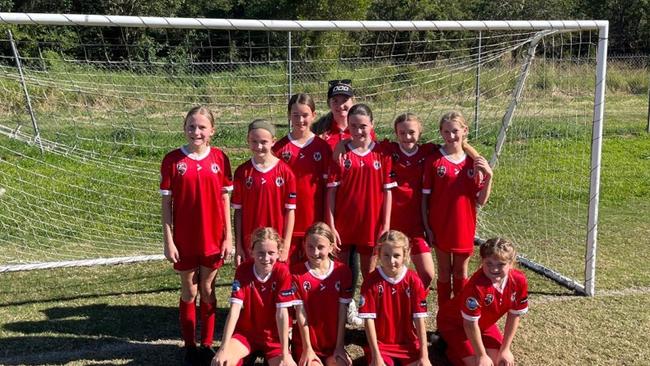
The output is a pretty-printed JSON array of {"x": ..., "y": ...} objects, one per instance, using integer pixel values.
[{"x": 506, "y": 358}]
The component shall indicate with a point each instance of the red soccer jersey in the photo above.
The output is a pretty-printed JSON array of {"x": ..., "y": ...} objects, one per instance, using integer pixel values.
[
  {"x": 320, "y": 297},
  {"x": 360, "y": 180},
  {"x": 481, "y": 301},
  {"x": 196, "y": 185},
  {"x": 407, "y": 196},
  {"x": 309, "y": 164},
  {"x": 393, "y": 304},
  {"x": 452, "y": 193},
  {"x": 260, "y": 297},
  {"x": 263, "y": 196}
]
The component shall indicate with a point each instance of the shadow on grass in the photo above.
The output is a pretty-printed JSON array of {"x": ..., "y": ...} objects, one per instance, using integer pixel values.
[{"x": 98, "y": 332}]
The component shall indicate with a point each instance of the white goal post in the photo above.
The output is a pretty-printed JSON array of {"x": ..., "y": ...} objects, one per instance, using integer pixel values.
[{"x": 89, "y": 120}]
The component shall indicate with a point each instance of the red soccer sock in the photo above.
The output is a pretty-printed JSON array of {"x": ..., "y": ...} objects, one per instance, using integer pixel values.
[
  {"x": 444, "y": 292},
  {"x": 459, "y": 283},
  {"x": 187, "y": 317},
  {"x": 208, "y": 315}
]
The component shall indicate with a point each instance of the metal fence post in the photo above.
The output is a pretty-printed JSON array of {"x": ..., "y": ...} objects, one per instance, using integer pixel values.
[
  {"x": 648, "y": 123},
  {"x": 37, "y": 134},
  {"x": 289, "y": 74},
  {"x": 477, "y": 95}
]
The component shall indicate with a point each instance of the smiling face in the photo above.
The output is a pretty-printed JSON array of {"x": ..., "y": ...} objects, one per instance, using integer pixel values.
[
  {"x": 339, "y": 106},
  {"x": 408, "y": 134},
  {"x": 496, "y": 268},
  {"x": 392, "y": 259},
  {"x": 318, "y": 249},
  {"x": 453, "y": 133},
  {"x": 265, "y": 254},
  {"x": 260, "y": 142},
  {"x": 198, "y": 131},
  {"x": 360, "y": 128},
  {"x": 301, "y": 117}
]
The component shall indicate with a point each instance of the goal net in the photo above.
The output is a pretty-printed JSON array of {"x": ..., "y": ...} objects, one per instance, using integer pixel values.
[{"x": 90, "y": 105}]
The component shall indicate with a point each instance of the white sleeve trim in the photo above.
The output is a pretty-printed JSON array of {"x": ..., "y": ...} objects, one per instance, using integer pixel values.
[
  {"x": 236, "y": 206},
  {"x": 287, "y": 304},
  {"x": 469, "y": 317},
  {"x": 420, "y": 315},
  {"x": 228, "y": 188},
  {"x": 333, "y": 184},
  {"x": 290, "y": 206},
  {"x": 390, "y": 185},
  {"x": 234, "y": 300},
  {"x": 165, "y": 192},
  {"x": 426, "y": 191},
  {"x": 297, "y": 302},
  {"x": 519, "y": 312},
  {"x": 344, "y": 301},
  {"x": 368, "y": 315}
]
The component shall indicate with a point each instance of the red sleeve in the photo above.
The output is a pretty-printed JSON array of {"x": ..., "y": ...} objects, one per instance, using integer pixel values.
[
  {"x": 367, "y": 305},
  {"x": 236, "y": 199},
  {"x": 470, "y": 306},
  {"x": 166, "y": 169},
  {"x": 387, "y": 164},
  {"x": 297, "y": 289},
  {"x": 285, "y": 294},
  {"x": 418, "y": 299},
  {"x": 334, "y": 174},
  {"x": 227, "y": 174},
  {"x": 427, "y": 178},
  {"x": 238, "y": 294},
  {"x": 346, "y": 289},
  {"x": 520, "y": 305},
  {"x": 290, "y": 189}
]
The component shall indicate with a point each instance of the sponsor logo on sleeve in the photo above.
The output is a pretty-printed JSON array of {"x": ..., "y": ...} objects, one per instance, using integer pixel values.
[
  {"x": 285, "y": 293},
  {"x": 235, "y": 286},
  {"x": 423, "y": 304},
  {"x": 471, "y": 303},
  {"x": 524, "y": 300}
]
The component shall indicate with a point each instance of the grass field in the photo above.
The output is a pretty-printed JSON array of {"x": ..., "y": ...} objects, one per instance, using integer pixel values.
[{"x": 89, "y": 201}]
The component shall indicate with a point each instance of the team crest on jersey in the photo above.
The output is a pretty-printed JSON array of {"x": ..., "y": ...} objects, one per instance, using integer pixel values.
[
  {"x": 286, "y": 156},
  {"x": 488, "y": 299},
  {"x": 273, "y": 286},
  {"x": 235, "y": 286},
  {"x": 215, "y": 168},
  {"x": 347, "y": 164},
  {"x": 408, "y": 292},
  {"x": 395, "y": 157},
  {"x": 470, "y": 172},
  {"x": 306, "y": 285},
  {"x": 380, "y": 289},
  {"x": 471, "y": 303},
  {"x": 249, "y": 182},
  {"x": 279, "y": 181},
  {"x": 317, "y": 156},
  {"x": 441, "y": 171},
  {"x": 376, "y": 164},
  {"x": 337, "y": 286},
  {"x": 181, "y": 167}
]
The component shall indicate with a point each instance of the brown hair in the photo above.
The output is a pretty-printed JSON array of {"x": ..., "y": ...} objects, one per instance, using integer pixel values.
[
  {"x": 407, "y": 117},
  {"x": 396, "y": 239},
  {"x": 500, "y": 248},
  {"x": 361, "y": 110},
  {"x": 266, "y": 233},
  {"x": 202, "y": 110},
  {"x": 301, "y": 98}
]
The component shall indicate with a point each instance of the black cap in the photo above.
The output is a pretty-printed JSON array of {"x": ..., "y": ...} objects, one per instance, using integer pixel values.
[{"x": 340, "y": 87}]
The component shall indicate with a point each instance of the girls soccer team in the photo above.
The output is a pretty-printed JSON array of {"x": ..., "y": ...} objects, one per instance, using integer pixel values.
[{"x": 290, "y": 186}]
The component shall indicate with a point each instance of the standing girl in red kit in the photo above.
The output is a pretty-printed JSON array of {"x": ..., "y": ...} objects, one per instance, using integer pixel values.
[
  {"x": 453, "y": 185},
  {"x": 195, "y": 181},
  {"x": 308, "y": 156}
]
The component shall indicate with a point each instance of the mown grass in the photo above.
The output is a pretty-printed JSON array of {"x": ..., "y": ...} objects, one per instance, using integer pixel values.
[{"x": 98, "y": 197}]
